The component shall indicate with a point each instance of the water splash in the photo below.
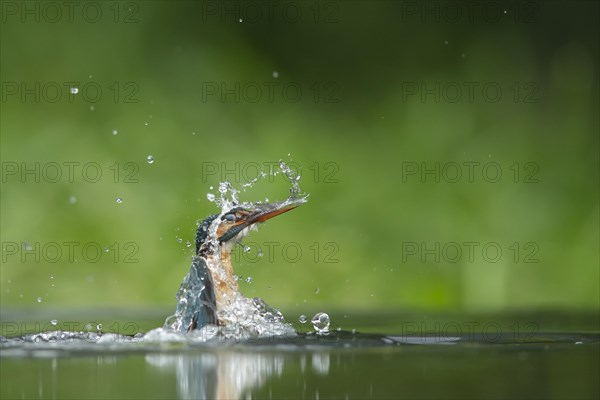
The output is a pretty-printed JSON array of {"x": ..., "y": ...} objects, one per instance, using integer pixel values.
[
  {"x": 321, "y": 323},
  {"x": 239, "y": 317},
  {"x": 246, "y": 318},
  {"x": 228, "y": 197}
]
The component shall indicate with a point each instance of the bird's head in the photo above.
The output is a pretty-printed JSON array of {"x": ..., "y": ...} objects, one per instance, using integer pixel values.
[{"x": 228, "y": 228}]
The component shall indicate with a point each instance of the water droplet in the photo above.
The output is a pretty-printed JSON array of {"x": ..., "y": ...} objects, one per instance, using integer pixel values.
[
  {"x": 74, "y": 90},
  {"x": 72, "y": 200},
  {"x": 237, "y": 278},
  {"x": 247, "y": 249},
  {"x": 241, "y": 20},
  {"x": 179, "y": 240},
  {"x": 445, "y": 42},
  {"x": 249, "y": 279},
  {"x": 260, "y": 253},
  {"x": 54, "y": 322},
  {"x": 320, "y": 322},
  {"x": 194, "y": 133},
  {"x": 27, "y": 246},
  {"x": 188, "y": 244},
  {"x": 317, "y": 290},
  {"x": 302, "y": 318},
  {"x": 150, "y": 159},
  {"x": 92, "y": 108},
  {"x": 39, "y": 299},
  {"x": 90, "y": 76},
  {"x": 115, "y": 132},
  {"x": 106, "y": 249},
  {"x": 146, "y": 123},
  {"x": 276, "y": 75},
  {"x": 119, "y": 200},
  {"x": 99, "y": 328},
  {"x": 210, "y": 196},
  {"x": 353, "y": 331}
]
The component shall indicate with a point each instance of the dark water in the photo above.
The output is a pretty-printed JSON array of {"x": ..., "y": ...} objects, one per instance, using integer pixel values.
[{"x": 472, "y": 364}]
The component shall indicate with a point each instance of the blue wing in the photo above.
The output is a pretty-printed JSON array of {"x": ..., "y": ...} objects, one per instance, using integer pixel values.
[{"x": 196, "y": 304}]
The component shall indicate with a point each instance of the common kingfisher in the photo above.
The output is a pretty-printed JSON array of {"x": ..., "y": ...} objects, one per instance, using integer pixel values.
[{"x": 211, "y": 283}]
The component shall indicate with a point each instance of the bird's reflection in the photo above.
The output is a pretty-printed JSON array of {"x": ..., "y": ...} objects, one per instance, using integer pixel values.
[{"x": 220, "y": 374}]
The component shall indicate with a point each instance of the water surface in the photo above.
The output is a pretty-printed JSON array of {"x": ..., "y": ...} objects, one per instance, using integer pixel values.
[{"x": 342, "y": 364}]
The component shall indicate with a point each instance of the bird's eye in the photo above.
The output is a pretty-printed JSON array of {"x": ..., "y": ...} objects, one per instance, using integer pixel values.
[{"x": 229, "y": 217}]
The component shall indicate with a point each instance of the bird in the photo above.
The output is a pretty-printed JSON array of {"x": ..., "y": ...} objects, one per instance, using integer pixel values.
[{"x": 211, "y": 284}]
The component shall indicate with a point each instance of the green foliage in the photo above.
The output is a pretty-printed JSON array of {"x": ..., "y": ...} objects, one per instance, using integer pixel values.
[{"x": 356, "y": 132}]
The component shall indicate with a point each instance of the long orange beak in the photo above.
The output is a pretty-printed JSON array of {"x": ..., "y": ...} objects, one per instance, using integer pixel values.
[
  {"x": 245, "y": 218},
  {"x": 262, "y": 216}
]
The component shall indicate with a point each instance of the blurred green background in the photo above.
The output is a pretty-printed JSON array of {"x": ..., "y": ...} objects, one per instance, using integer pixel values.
[{"x": 361, "y": 95}]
